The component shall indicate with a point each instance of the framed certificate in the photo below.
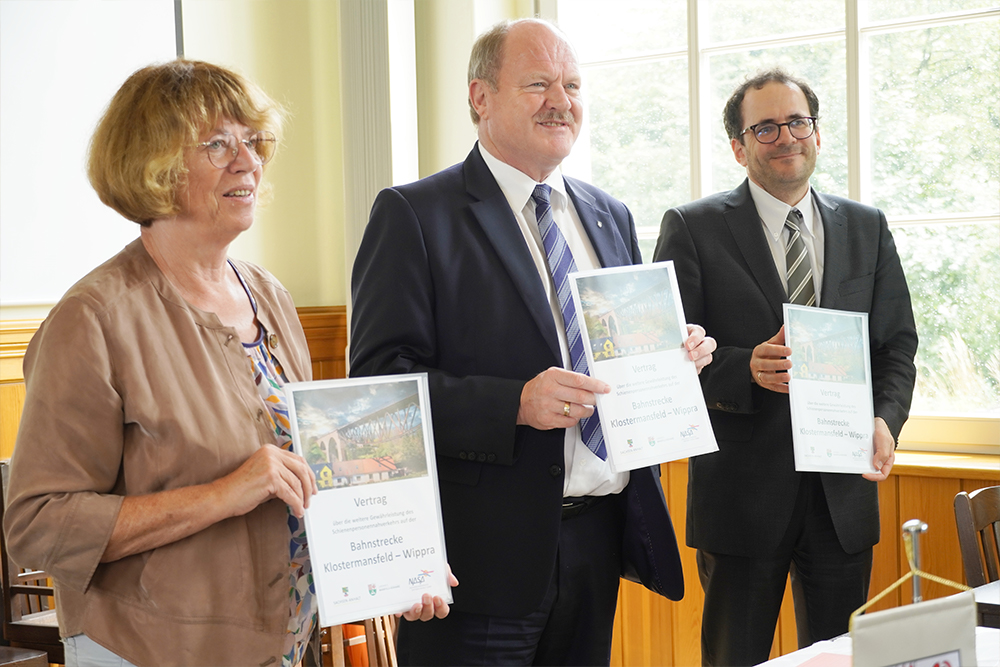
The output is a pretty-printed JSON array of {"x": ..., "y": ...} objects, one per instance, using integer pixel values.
[
  {"x": 632, "y": 323},
  {"x": 830, "y": 390},
  {"x": 375, "y": 534}
]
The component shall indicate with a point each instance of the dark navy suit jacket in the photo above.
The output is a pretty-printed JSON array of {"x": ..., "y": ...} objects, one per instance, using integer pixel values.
[
  {"x": 444, "y": 284},
  {"x": 740, "y": 499}
]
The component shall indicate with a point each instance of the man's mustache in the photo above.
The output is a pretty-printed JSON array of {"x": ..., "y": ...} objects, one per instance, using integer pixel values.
[{"x": 556, "y": 116}]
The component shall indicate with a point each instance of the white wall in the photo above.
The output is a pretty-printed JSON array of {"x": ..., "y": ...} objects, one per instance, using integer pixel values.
[
  {"x": 292, "y": 48},
  {"x": 60, "y": 63}
]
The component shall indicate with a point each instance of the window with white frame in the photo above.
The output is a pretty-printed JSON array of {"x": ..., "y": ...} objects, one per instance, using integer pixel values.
[{"x": 908, "y": 94}]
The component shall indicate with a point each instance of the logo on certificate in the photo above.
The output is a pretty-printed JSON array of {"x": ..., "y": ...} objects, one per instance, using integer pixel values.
[
  {"x": 690, "y": 432},
  {"x": 371, "y": 589},
  {"x": 346, "y": 591},
  {"x": 420, "y": 579}
]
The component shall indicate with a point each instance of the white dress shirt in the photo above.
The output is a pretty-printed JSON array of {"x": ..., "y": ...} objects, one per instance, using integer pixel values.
[
  {"x": 586, "y": 474},
  {"x": 773, "y": 213}
]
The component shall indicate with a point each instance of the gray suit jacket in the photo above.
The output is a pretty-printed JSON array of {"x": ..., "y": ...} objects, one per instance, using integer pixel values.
[{"x": 740, "y": 499}]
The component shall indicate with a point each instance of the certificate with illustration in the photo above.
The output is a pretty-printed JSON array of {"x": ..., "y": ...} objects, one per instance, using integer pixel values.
[
  {"x": 632, "y": 324},
  {"x": 830, "y": 389},
  {"x": 376, "y": 540}
]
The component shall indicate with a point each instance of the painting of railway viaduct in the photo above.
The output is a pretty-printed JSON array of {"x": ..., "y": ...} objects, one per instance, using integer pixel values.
[
  {"x": 355, "y": 434},
  {"x": 827, "y": 345},
  {"x": 629, "y": 313}
]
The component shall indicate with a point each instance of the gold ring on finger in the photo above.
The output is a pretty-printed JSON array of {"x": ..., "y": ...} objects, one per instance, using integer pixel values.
[{"x": 566, "y": 409}]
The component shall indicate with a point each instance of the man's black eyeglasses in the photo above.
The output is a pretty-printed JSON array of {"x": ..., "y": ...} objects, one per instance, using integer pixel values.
[{"x": 768, "y": 133}]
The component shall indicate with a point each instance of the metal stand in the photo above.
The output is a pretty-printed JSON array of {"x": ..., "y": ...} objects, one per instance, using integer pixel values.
[{"x": 914, "y": 527}]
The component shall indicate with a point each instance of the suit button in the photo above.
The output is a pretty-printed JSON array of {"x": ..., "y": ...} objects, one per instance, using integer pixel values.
[
  {"x": 491, "y": 458},
  {"x": 272, "y": 340},
  {"x": 555, "y": 471},
  {"x": 720, "y": 405},
  {"x": 482, "y": 457},
  {"x": 463, "y": 455}
]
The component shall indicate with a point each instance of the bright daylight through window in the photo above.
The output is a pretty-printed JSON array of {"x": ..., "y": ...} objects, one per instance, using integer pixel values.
[{"x": 909, "y": 122}]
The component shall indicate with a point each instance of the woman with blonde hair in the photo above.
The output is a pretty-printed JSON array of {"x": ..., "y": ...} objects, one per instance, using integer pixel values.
[{"x": 152, "y": 475}]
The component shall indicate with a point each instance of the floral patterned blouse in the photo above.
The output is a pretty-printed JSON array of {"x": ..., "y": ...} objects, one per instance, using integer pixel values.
[{"x": 270, "y": 380}]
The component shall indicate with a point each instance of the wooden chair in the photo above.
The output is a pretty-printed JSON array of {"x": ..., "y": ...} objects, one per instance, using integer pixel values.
[
  {"x": 380, "y": 636},
  {"x": 368, "y": 643},
  {"x": 977, "y": 515},
  {"x": 29, "y": 611}
]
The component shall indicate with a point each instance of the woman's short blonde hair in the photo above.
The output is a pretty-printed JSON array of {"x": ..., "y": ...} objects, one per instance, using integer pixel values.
[{"x": 136, "y": 161}]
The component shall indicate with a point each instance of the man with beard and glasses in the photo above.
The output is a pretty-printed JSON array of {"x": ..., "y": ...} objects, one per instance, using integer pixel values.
[
  {"x": 453, "y": 278},
  {"x": 751, "y": 516}
]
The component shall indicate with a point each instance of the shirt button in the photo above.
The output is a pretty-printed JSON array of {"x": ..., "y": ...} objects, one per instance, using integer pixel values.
[
  {"x": 555, "y": 471},
  {"x": 272, "y": 341}
]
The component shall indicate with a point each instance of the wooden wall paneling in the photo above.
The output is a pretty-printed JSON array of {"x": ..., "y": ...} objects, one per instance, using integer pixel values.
[
  {"x": 651, "y": 615},
  {"x": 947, "y": 465},
  {"x": 686, "y": 619},
  {"x": 616, "y": 635},
  {"x": 326, "y": 332},
  {"x": 931, "y": 500},
  {"x": 11, "y": 403},
  {"x": 885, "y": 556},
  {"x": 970, "y": 485},
  {"x": 646, "y": 622},
  {"x": 14, "y": 338},
  {"x": 785, "y": 636},
  {"x": 329, "y": 370}
]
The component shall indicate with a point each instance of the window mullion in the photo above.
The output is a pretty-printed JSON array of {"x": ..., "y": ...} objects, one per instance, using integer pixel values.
[
  {"x": 857, "y": 104},
  {"x": 700, "y": 168}
]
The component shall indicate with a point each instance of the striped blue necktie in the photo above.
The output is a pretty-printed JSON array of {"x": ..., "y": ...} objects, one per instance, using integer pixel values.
[{"x": 561, "y": 264}]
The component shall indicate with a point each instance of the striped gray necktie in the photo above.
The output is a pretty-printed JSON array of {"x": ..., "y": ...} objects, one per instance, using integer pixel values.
[
  {"x": 798, "y": 269},
  {"x": 561, "y": 264}
]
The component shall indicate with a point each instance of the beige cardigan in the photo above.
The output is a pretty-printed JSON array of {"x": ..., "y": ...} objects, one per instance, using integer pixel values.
[{"x": 131, "y": 391}]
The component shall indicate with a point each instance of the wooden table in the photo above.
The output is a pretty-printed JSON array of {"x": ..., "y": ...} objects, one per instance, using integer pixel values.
[
  {"x": 988, "y": 605},
  {"x": 23, "y": 657}
]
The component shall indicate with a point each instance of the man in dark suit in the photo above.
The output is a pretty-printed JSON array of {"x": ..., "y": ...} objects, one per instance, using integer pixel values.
[
  {"x": 751, "y": 516},
  {"x": 453, "y": 279}
]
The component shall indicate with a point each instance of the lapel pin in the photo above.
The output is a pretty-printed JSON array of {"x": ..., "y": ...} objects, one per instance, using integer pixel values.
[{"x": 600, "y": 224}]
